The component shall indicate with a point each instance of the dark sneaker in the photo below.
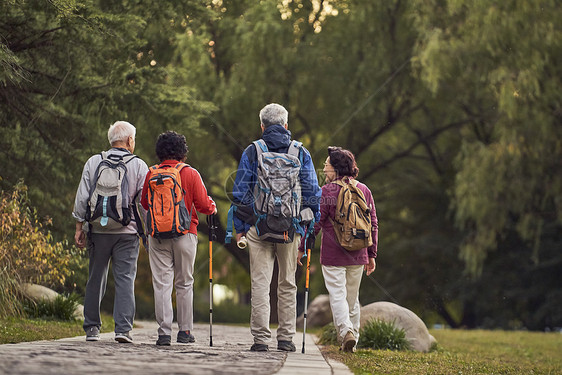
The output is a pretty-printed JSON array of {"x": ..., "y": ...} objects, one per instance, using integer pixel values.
[
  {"x": 164, "y": 340},
  {"x": 93, "y": 334},
  {"x": 286, "y": 346},
  {"x": 123, "y": 337},
  {"x": 185, "y": 337},
  {"x": 259, "y": 348},
  {"x": 348, "y": 344}
]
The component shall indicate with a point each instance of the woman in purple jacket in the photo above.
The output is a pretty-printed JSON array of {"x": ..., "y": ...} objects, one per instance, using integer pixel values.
[{"x": 342, "y": 269}]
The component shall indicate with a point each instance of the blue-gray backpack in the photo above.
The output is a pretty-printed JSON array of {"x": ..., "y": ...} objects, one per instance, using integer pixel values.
[
  {"x": 109, "y": 204},
  {"x": 277, "y": 193}
]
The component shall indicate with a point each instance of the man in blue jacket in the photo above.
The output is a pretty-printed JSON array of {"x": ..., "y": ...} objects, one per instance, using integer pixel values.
[{"x": 263, "y": 250}]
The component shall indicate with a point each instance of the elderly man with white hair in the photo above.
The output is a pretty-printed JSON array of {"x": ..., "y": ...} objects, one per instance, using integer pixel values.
[
  {"x": 105, "y": 208},
  {"x": 273, "y": 231}
]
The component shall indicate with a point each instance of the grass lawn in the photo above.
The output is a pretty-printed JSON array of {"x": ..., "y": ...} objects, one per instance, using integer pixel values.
[
  {"x": 14, "y": 330},
  {"x": 465, "y": 352}
]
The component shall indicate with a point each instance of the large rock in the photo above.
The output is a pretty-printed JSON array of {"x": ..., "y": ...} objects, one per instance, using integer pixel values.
[
  {"x": 319, "y": 312},
  {"x": 416, "y": 332},
  {"x": 39, "y": 292}
]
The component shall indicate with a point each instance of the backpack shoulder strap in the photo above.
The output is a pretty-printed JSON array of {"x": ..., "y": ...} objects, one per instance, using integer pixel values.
[
  {"x": 261, "y": 147},
  {"x": 181, "y": 166},
  {"x": 294, "y": 149},
  {"x": 339, "y": 182},
  {"x": 129, "y": 157}
]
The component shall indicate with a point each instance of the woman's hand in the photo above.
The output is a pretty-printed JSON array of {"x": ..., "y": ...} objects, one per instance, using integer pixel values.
[{"x": 370, "y": 267}]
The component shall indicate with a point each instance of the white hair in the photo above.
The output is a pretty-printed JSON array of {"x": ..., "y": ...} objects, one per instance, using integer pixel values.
[
  {"x": 120, "y": 131},
  {"x": 274, "y": 114}
]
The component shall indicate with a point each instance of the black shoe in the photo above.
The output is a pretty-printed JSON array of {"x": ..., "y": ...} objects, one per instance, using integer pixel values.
[
  {"x": 286, "y": 346},
  {"x": 185, "y": 337},
  {"x": 259, "y": 348},
  {"x": 164, "y": 340}
]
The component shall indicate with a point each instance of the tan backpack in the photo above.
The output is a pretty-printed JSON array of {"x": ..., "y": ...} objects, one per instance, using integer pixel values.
[{"x": 352, "y": 222}]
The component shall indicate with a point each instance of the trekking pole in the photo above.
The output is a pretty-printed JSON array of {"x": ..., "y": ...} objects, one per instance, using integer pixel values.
[
  {"x": 212, "y": 236},
  {"x": 309, "y": 243}
]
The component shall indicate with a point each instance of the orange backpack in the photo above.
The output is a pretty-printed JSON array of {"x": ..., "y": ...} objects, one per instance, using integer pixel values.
[{"x": 167, "y": 215}]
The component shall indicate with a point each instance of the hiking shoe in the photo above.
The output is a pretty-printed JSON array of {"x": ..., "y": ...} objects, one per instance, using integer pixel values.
[
  {"x": 348, "y": 344},
  {"x": 164, "y": 340},
  {"x": 185, "y": 337},
  {"x": 259, "y": 348},
  {"x": 93, "y": 334},
  {"x": 286, "y": 346},
  {"x": 123, "y": 337}
]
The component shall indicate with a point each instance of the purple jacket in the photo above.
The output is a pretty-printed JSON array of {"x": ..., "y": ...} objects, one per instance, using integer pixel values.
[{"x": 331, "y": 253}]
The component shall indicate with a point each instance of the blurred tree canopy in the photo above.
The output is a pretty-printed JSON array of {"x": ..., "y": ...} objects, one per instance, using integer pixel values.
[{"x": 452, "y": 107}]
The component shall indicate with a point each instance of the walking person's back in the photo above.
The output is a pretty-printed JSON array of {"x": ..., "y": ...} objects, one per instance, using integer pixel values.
[
  {"x": 345, "y": 255},
  {"x": 173, "y": 193},
  {"x": 275, "y": 191},
  {"x": 105, "y": 207}
]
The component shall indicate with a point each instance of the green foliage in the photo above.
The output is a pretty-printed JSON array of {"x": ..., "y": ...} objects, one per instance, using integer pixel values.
[
  {"x": 328, "y": 335},
  {"x": 378, "y": 334},
  {"x": 71, "y": 68},
  {"x": 375, "y": 334},
  {"x": 508, "y": 54},
  {"x": 61, "y": 308}
]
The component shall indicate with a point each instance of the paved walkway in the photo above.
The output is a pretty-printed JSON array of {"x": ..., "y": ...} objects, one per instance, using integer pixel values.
[{"x": 229, "y": 354}]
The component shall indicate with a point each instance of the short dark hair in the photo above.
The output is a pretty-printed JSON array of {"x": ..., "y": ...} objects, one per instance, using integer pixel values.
[
  {"x": 343, "y": 162},
  {"x": 171, "y": 146}
]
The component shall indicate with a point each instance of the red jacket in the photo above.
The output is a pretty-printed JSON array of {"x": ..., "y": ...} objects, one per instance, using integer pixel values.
[{"x": 196, "y": 193}]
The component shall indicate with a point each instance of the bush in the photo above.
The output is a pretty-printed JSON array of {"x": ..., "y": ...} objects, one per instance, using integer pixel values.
[
  {"x": 61, "y": 308},
  {"x": 28, "y": 252},
  {"x": 378, "y": 334},
  {"x": 328, "y": 335}
]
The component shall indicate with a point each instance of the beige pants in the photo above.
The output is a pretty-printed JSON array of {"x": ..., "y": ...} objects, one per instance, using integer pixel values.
[
  {"x": 171, "y": 263},
  {"x": 343, "y": 284},
  {"x": 262, "y": 257}
]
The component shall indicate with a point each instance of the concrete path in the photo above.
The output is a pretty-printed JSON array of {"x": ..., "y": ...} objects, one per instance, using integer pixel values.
[{"x": 229, "y": 354}]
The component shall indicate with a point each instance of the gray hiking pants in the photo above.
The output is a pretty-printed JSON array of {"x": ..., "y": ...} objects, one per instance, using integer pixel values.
[
  {"x": 123, "y": 251},
  {"x": 171, "y": 263}
]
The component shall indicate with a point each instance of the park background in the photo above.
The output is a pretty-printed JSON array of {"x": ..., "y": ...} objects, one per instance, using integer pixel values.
[{"x": 452, "y": 108}]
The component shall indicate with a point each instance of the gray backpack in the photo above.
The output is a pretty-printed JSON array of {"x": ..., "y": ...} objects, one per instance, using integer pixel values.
[
  {"x": 277, "y": 193},
  {"x": 109, "y": 202}
]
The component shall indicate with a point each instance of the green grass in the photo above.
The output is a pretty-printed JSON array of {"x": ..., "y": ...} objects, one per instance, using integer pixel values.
[
  {"x": 464, "y": 352},
  {"x": 14, "y": 330}
]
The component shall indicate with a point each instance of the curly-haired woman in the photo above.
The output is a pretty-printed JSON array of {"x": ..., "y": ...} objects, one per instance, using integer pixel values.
[{"x": 172, "y": 259}]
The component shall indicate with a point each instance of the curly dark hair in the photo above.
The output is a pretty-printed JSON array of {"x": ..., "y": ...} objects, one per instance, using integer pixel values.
[
  {"x": 343, "y": 162},
  {"x": 171, "y": 146}
]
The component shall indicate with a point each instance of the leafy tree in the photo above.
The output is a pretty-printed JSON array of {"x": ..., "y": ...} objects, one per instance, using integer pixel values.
[
  {"x": 501, "y": 62},
  {"x": 71, "y": 68}
]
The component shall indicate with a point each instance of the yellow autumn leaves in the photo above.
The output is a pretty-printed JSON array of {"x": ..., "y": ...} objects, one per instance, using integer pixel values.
[{"x": 28, "y": 252}]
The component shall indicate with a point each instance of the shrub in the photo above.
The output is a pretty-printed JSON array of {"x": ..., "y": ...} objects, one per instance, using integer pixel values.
[
  {"x": 61, "y": 308},
  {"x": 378, "y": 334},
  {"x": 328, "y": 335},
  {"x": 28, "y": 252}
]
